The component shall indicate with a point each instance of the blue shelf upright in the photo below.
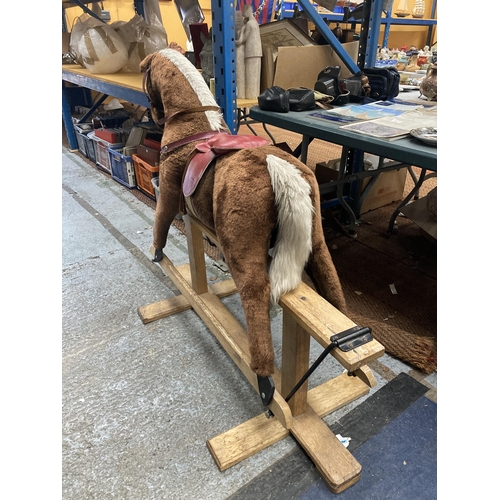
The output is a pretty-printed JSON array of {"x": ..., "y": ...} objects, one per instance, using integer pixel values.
[{"x": 224, "y": 47}]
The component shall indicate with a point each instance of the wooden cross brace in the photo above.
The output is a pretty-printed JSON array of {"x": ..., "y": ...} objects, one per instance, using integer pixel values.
[{"x": 305, "y": 314}]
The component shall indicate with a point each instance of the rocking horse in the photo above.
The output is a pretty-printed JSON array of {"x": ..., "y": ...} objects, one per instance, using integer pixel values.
[{"x": 254, "y": 200}]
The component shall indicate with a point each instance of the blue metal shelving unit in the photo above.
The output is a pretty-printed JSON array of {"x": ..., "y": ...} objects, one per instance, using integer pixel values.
[
  {"x": 386, "y": 22},
  {"x": 224, "y": 36},
  {"x": 224, "y": 46}
]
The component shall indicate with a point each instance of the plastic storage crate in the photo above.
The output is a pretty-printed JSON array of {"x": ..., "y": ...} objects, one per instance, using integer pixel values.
[
  {"x": 101, "y": 152},
  {"x": 122, "y": 168},
  {"x": 89, "y": 145},
  {"x": 81, "y": 131},
  {"x": 156, "y": 186},
  {"x": 144, "y": 173}
]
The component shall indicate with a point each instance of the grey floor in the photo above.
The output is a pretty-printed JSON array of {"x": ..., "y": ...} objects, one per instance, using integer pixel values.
[{"x": 140, "y": 401}]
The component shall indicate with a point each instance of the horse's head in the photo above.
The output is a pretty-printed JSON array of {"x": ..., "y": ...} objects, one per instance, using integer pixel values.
[{"x": 174, "y": 86}]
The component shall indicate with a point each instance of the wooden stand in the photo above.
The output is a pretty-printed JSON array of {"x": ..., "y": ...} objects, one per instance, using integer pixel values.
[{"x": 305, "y": 315}]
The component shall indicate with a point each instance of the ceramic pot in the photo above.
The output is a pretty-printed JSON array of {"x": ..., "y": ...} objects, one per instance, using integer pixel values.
[
  {"x": 422, "y": 60},
  {"x": 428, "y": 86}
]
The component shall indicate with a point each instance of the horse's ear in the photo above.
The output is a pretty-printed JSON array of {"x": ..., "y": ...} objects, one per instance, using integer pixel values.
[{"x": 146, "y": 62}]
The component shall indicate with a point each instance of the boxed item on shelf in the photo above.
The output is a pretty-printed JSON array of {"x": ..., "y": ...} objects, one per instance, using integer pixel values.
[
  {"x": 108, "y": 135},
  {"x": 113, "y": 135},
  {"x": 144, "y": 173},
  {"x": 122, "y": 168},
  {"x": 136, "y": 136},
  {"x": 152, "y": 143},
  {"x": 148, "y": 154}
]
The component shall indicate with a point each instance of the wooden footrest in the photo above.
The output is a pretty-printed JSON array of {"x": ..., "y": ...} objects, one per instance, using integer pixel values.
[
  {"x": 338, "y": 468},
  {"x": 258, "y": 433}
]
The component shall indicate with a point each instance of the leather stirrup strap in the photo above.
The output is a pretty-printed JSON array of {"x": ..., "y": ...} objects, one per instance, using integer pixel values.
[{"x": 187, "y": 140}]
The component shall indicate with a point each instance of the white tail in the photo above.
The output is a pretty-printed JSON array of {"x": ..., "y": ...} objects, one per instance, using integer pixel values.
[{"x": 295, "y": 213}]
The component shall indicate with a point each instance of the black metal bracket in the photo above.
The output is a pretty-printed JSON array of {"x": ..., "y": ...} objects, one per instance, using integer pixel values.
[
  {"x": 266, "y": 389},
  {"x": 345, "y": 341},
  {"x": 352, "y": 338}
]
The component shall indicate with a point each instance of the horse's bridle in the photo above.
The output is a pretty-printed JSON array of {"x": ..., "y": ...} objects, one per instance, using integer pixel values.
[{"x": 161, "y": 122}]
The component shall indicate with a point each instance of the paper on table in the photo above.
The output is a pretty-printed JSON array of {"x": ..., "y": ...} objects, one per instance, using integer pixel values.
[
  {"x": 394, "y": 127},
  {"x": 372, "y": 111}
]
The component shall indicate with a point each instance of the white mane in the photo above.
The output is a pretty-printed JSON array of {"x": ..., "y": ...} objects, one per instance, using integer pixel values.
[{"x": 198, "y": 84}]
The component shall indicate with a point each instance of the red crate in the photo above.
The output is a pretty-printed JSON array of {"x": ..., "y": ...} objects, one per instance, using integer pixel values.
[
  {"x": 144, "y": 173},
  {"x": 107, "y": 135}
]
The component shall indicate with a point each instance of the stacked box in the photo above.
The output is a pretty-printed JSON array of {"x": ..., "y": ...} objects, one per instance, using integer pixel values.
[
  {"x": 144, "y": 173},
  {"x": 122, "y": 168}
]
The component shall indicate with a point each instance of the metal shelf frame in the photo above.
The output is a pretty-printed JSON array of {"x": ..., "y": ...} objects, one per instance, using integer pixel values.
[
  {"x": 224, "y": 46},
  {"x": 386, "y": 22}
]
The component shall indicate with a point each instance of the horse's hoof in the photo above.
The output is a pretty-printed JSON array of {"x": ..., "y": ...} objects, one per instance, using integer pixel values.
[
  {"x": 158, "y": 255},
  {"x": 266, "y": 389}
]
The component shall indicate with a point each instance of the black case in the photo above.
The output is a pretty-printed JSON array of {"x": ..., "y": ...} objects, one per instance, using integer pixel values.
[
  {"x": 301, "y": 99},
  {"x": 384, "y": 83},
  {"x": 274, "y": 99}
]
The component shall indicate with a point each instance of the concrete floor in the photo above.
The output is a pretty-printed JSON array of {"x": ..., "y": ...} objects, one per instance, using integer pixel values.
[{"x": 140, "y": 401}]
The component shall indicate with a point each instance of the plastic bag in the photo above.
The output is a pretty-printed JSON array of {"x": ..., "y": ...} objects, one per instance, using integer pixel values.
[
  {"x": 80, "y": 25},
  {"x": 141, "y": 39},
  {"x": 102, "y": 50}
]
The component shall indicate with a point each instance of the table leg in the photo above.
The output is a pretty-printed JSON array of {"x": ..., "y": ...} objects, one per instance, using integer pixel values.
[
  {"x": 340, "y": 188},
  {"x": 415, "y": 189}
]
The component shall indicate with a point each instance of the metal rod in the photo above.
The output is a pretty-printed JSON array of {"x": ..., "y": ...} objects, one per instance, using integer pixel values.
[{"x": 311, "y": 370}]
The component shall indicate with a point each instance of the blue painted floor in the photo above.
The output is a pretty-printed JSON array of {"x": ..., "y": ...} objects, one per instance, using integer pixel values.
[
  {"x": 400, "y": 462},
  {"x": 393, "y": 436}
]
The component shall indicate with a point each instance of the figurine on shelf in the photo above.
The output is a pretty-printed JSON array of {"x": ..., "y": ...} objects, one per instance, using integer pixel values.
[
  {"x": 402, "y": 61},
  {"x": 428, "y": 86},
  {"x": 419, "y": 9},
  {"x": 248, "y": 57},
  {"x": 207, "y": 57},
  {"x": 402, "y": 10}
]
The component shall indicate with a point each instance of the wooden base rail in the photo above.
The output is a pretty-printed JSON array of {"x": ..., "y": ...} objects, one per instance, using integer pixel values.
[{"x": 305, "y": 315}]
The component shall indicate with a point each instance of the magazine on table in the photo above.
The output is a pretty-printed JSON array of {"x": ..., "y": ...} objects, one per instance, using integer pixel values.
[
  {"x": 395, "y": 127},
  {"x": 364, "y": 112}
]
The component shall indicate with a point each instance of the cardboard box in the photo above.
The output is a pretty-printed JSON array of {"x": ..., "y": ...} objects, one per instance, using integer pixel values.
[
  {"x": 300, "y": 66},
  {"x": 418, "y": 212},
  {"x": 388, "y": 187}
]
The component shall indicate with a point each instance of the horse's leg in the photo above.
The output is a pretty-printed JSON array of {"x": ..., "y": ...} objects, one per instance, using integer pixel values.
[
  {"x": 244, "y": 221},
  {"x": 320, "y": 267},
  {"x": 167, "y": 206}
]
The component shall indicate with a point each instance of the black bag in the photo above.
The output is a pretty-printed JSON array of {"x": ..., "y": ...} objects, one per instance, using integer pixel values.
[
  {"x": 274, "y": 99},
  {"x": 301, "y": 99},
  {"x": 327, "y": 81},
  {"x": 383, "y": 82}
]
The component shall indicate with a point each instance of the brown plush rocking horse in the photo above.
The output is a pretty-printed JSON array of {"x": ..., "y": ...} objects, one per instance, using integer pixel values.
[{"x": 255, "y": 198}]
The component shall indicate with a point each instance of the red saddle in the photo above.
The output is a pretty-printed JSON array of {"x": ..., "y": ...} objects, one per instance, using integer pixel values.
[{"x": 205, "y": 152}]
